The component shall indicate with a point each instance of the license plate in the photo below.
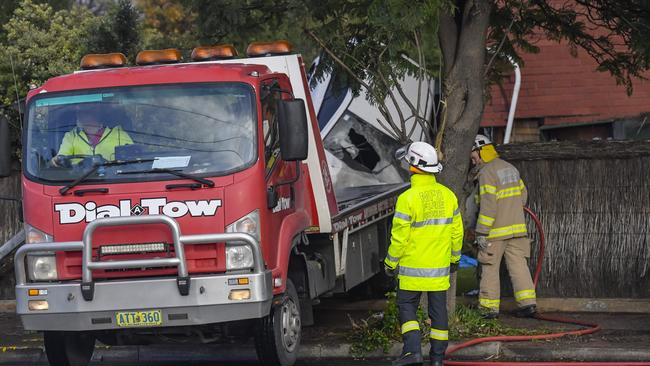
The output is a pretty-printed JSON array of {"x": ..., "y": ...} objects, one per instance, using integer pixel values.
[{"x": 138, "y": 318}]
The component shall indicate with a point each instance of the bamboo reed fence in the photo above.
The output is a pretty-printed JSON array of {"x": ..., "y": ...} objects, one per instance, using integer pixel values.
[
  {"x": 593, "y": 199},
  {"x": 9, "y": 226}
]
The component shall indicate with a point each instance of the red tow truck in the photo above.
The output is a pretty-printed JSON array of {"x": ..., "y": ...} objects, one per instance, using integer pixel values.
[{"x": 218, "y": 220}]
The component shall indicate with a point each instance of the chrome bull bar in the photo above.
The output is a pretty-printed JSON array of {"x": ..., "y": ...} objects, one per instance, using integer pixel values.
[{"x": 87, "y": 264}]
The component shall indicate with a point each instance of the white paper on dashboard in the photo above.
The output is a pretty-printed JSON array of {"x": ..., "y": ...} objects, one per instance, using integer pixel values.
[{"x": 167, "y": 162}]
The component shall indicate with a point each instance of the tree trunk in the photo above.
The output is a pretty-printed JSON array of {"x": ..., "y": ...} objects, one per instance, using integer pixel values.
[{"x": 462, "y": 37}]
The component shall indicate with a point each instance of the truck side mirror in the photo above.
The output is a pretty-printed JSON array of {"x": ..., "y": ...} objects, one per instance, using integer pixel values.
[
  {"x": 292, "y": 124},
  {"x": 5, "y": 148}
]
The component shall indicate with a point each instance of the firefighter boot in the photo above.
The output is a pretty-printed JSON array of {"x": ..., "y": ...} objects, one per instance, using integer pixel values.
[
  {"x": 409, "y": 358},
  {"x": 528, "y": 311},
  {"x": 488, "y": 313}
]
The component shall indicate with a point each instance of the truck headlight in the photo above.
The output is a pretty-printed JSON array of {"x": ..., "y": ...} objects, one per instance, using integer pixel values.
[
  {"x": 42, "y": 267},
  {"x": 241, "y": 256},
  {"x": 249, "y": 224},
  {"x": 34, "y": 236}
]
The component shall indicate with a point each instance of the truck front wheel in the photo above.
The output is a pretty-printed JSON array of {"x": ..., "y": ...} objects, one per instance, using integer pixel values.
[
  {"x": 69, "y": 348},
  {"x": 278, "y": 334}
]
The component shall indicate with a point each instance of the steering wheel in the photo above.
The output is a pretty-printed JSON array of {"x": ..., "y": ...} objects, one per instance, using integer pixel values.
[{"x": 65, "y": 161}]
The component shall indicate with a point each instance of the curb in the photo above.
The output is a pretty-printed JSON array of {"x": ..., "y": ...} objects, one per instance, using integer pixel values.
[
  {"x": 7, "y": 306},
  {"x": 234, "y": 353},
  {"x": 588, "y": 354},
  {"x": 21, "y": 355}
]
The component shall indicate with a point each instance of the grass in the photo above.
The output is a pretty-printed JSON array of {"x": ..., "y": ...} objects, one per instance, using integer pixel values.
[
  {"x": 380, "y": 330},
  {"x": 467, "y": 323}
]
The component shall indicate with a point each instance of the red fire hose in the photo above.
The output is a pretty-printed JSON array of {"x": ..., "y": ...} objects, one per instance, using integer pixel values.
[{"x": 592, "y": 328}]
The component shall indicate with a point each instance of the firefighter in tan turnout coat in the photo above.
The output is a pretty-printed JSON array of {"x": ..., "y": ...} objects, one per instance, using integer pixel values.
[{"x": 501, "y": 231}]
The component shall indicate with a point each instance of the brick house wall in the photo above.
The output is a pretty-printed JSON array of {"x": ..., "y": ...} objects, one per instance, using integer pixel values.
[{"x": 559, "y": 90}]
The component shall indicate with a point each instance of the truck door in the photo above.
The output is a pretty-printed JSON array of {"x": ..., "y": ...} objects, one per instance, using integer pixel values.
[{"x": 280, "y": 175}]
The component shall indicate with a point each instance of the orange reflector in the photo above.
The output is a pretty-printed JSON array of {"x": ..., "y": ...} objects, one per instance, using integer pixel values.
[
  {"x": 281, "y": 47},
  {"x": 240, "y": 294},
  {"x": 220, "y": 52},
  {"x": 36, "y": 292},
  {"x": 242, "y": 281},
  {"x": 37, "y": 305},
  {"x": 152, "y": 57},
  {"x": 101, "y": 60}
]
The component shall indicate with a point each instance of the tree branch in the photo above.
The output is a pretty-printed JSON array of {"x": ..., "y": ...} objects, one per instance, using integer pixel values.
[
  {"x": 448, "y": 38},
  {"x": 402, "y": 132},
  {"x": 336, "y": 59},
  {"x": 496, "y": 52},
  {"x": 421, "y": 65}
]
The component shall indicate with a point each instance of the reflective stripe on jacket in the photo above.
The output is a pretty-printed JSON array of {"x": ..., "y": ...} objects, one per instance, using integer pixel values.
[
  {"x": 427, "y": 235},
  {"x": 76, "y": 142},
  {"x": 502, "y": 196}
]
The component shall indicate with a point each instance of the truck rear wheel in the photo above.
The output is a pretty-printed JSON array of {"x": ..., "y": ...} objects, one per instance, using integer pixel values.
[
  {"x": 69, "y": 348},
  {"x": 278, "y": 334}
]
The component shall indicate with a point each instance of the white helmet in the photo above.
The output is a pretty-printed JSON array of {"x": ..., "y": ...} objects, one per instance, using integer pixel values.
[
  {"x": 420, "y": 155},
  {"x": 480, "y": 141}
]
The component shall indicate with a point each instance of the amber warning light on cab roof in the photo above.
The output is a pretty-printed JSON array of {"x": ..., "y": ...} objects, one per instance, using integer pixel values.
[
  {"x": 210, "y": 53},
  {"x": 102, "y": 60},
  {"x": 154, "y": 57},
  {"x": 257, "y": 49}
]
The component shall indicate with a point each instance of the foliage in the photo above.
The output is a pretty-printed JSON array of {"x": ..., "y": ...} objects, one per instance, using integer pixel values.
[
  {"x": 379, "y": 331},
  {"x": 167, "y": 24},
  {"x": 41, "y": 43},
  {"x": 97, "y": 7},
  {"x": 241, "y": 22},
  {"x": 7, "y": 8},
  {"x": 467, "y": 323},
  {"x": 117, "y": 31}
]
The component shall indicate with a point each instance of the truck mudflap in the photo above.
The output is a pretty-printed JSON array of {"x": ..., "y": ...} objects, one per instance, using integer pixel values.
[{"x": 148, "y": 302}]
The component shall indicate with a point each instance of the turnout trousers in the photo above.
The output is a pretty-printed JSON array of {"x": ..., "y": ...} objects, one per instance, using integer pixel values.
[
  {"x": 516, "y": 252},
  {"x": 407, "y": 303}
]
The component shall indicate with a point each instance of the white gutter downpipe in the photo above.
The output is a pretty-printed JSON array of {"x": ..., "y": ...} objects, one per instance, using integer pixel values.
[{"x": 513, "y": 103}]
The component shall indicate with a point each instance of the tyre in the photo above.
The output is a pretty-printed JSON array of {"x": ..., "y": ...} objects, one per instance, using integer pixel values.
[
  {"x": 69, "y": 348},
  {"x": 278, "y": 335}
]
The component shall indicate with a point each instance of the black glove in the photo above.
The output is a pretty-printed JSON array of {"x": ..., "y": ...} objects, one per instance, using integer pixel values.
[
  {"x": 390, "y": 272},
  {"x": 453, "y": 267},
  {"x": 61, "y": 161},
  {"x": 481, "y": 242}
]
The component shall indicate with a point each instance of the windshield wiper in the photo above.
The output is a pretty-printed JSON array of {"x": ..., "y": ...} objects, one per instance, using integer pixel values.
[
  {"x": 96, "y": 166},
  {"x": 177, "y": 173}
]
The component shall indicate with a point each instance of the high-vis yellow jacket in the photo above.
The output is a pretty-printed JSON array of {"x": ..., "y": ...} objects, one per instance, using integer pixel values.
[
  {"x": 76, "y": 142},
  {"x": 427, "y": 235},
  {"x": 502, "y": 196}
]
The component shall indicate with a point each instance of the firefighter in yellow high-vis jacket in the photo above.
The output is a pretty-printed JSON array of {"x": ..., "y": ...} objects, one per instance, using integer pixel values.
[
  {"x": 91, "y": 137},
  {"x": 501, "y": 231},
  {"x": 426, "y": 240}
]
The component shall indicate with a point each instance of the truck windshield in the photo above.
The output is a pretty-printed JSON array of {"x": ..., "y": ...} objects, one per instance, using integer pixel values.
[{"x": 199, "y": 129}]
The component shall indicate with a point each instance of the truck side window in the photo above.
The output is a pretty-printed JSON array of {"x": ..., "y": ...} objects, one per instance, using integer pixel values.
[{"x": 270, "y": 128}]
